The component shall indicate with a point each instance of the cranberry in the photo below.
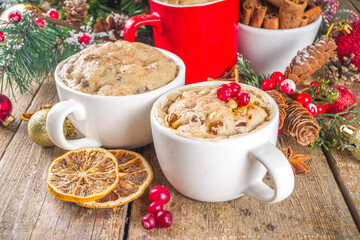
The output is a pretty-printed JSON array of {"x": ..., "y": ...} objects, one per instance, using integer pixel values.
[
  {"x": 312, "y": 109},
  {"x": 224, "y": 92},
  {"x": 159, "y": 193},
  {"x": 288, "y": 86},
  {"x": 14, "y": 17},
  {"x": 278, "y": 77},
  {"x": 163, "y": 218},
  {"x": 148, "y": 221},
  {"x": 316, "y": 88},
  {"x": 154, "y": 207},
  {"x": 40, "y": 22},
  {"x": 320, "y": 109},
  {"x": 84, "y": 39},
  {"x": 268, "y": 84},
  {"x": 235, "y": 88},
  {"x": 53, "y": 13},
  {"x": 2, "y": 36},
  {"x": 303, "y": 98},
  {"x": 243, "y": 99}
]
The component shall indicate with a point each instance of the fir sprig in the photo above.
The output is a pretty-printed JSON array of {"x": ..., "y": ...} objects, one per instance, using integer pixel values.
[
  {"x": 330, "y": 134},
  {"x": 321, "y": 93},
  {"x": 252, "y": 77}
]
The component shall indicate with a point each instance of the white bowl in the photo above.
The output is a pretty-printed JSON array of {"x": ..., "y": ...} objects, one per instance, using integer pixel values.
[{"x": 272, "y": 50}]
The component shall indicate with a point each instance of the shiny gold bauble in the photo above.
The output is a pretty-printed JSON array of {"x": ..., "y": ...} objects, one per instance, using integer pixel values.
[
  {"x": 353, "y": 138},
  {"x": 37, "y": 129},
  {"x": 21, "y": 7}
]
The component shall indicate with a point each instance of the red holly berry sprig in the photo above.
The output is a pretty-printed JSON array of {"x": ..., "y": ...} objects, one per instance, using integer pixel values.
[
  {"x": 2, "y": 36},
  {"x": 84, "y": 39},
  {"x": 157, "y": 216},
  {"x": 53, "y": 13},
  {"x": 40, "y": 22},
  {"x": 14, "y": 17},
  {"x": 233, "y": 90},
  {"x": 287, "y": 86}
]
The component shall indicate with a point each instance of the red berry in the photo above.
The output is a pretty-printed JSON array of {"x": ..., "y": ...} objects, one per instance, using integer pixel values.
[
  {"x": 288, "y": 86},
  {"x": 159, "y": 193},
  {"x": 148, "y": 221},
  {"x": 154, "y": 207},
  {"x": 312, "y": 109},
  {"x": 2, "y": 36},
  {"x": 40, "y": 22},
  {"x": 320, "y": 109},
  {"x": 224, "y": 92},
  {"x": 163, "y": 218},
  {"x": 278, "y": 77},
  {"x": 14, "y": 17},
  {"x": 53, "y": 13},
  {"x": 243, "y": 99},
  {"x": 235, "y": 88},
  {"x": 268, "y": 84},
  {"x": 317, "y": 89},
  {"x": 84, "y": 39},
  {"x": 303, "y": 98}
]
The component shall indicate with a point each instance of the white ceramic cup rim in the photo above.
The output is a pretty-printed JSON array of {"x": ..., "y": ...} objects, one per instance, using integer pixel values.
[
  {"x": 166, "y": 131},
  {"x": 281, "y": 31},
  {"x": 186, "y": 6},
  {"x": 177, "y": 60}
]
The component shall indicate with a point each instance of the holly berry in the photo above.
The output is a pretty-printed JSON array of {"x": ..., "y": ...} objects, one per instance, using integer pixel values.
[
  {"x": 163, "y": 218},
  {"x": 53, "y": 13},
  {"x": 288, "y": 86},
  {"x": 243, "y": 99},
  {"x": 14, "y": 17},
  {"x": 2, "y": 36},
  {"x": 320, "y": 109},
  {"x": 312, "y": 109},
  {"x": 148, "y": 221},
  {"x": 303, "y": 98},
  {"x": 346, "y": 98},
  {"x": 268, "y": 84},
  {"x": 159, "y": 193},
  {"x": 154, "y": 207},
  {"x": 278, "y": 77},
  {"x": 84, "y": 39},
  {"x": 235, "y": 88},
  {"x": 316, "y": 88},
  {"x": 40, "y": 22},
  {"x": 224, "y": 92}
]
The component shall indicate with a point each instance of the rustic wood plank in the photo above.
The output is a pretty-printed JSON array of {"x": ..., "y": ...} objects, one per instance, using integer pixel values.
[
  {"x": 28, "y": 211},
  {"x": 356, "y": 4},
  {"x": 315, "y": 210}
]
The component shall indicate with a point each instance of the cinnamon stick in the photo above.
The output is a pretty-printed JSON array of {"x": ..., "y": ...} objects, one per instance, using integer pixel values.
[
  {"x": 304, "y": 21},
  {"x": 247, "y": 13},
  {"x": 258, "y": 16},
  {"x": 291, "y": 12},
  {"x": 271, "y": 21},
  {"x": 54, "y": 20},
  {"x": 312, "y": 14}
]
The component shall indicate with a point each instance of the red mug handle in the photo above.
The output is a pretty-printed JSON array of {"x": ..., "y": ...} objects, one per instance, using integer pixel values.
[{"x": 133, "y": 23}]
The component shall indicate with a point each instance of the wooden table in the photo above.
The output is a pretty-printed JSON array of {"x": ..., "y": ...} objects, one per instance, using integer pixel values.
[{"x": 324, "y": 205}]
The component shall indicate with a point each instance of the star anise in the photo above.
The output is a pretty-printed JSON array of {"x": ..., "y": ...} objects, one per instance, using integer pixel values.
[{"x": 297, "y": 162}]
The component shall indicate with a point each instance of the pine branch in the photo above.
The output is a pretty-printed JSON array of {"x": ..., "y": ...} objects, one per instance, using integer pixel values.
[{"x": 252, "y": 77}]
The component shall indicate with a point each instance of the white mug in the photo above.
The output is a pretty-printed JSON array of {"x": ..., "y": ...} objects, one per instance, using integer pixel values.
[
  {"x": 225, "y": 169},
  {"x": 271, "y": 50},
  {"x": 108, "y": 121}
]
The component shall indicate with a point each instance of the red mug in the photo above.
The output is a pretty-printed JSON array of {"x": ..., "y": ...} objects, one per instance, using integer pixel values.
[{"x": 204, "y": 36}]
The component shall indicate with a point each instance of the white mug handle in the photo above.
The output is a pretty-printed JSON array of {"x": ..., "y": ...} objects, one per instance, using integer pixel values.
[
  {"x": 55, "y": 121},
  {"x": 280, "y": 170}
]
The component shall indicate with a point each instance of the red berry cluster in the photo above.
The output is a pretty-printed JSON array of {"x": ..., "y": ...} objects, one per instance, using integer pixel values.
[
  {"x": 305, "y": 100},
  {"x": 233, "y": 90},
  {"x": 287, "y": 86},
  {"x": 157, "y": 216},
  {"x": 84, "y": 39}
]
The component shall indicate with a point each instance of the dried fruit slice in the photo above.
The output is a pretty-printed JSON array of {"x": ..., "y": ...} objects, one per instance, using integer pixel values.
[
  {"x": 83, "y": 175},
  {"x": 135, "y": 175}
]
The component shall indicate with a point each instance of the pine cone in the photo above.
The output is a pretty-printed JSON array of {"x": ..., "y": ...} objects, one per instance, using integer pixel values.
[
  {"x": 115, "y": 22},
  {"x": 310, "y": 59},
  {"x": 281, "y": 102},
  {"x": 76, "y": 11},
  {"x": 300, "y": 124}
]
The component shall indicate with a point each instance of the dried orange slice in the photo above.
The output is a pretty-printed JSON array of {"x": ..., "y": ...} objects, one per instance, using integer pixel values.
[
  {"x": 83, "y": 175},
  {"x": 135, "y": 175}
]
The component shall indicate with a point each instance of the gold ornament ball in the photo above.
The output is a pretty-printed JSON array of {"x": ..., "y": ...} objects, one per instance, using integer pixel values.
[
  {"x": 353, "y": 138},
  {"x": 37, "y": 129}
]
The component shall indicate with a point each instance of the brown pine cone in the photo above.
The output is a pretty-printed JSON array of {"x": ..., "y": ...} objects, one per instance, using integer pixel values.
[
  {"x": 299, "y": 124},
  {"x": 281, "y": 102},
  {"x": 114, "y": 22},
  {"x": 76, "y": 11},
  {"x": 310, "y": 59}
]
